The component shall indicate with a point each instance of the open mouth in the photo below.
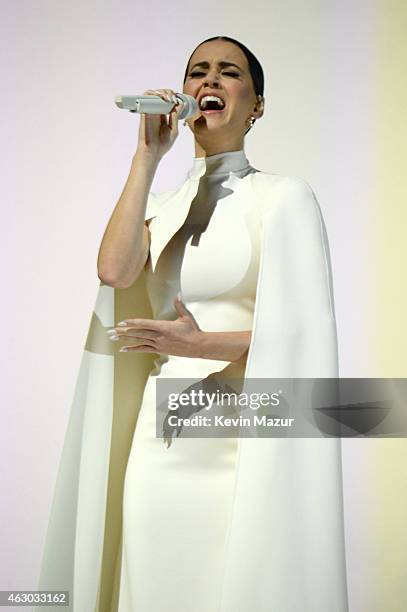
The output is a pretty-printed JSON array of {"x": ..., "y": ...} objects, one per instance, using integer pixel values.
[{"x": 211, "y": 104}]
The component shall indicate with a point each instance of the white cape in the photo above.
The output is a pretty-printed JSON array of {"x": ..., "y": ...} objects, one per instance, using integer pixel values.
[{"x": 286, "y": 550}]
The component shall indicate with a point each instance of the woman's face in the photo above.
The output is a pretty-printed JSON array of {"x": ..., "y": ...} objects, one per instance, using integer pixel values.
[{"x": 220, "y": 68}]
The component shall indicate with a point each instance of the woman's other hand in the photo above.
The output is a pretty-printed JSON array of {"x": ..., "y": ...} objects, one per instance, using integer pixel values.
[{"x": 182, "y": 337}]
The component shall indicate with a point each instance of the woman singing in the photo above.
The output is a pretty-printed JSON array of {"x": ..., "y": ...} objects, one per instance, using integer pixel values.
[{"x": 229, "y": 272}]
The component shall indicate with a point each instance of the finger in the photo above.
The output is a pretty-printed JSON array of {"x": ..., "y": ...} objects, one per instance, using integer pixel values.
[
  {"x": 181, "y": 308},
  {"x": 167, "y": 94},
  {"x": 142, "y": 342},
  {"x": 173, "y": 121},
  {"x": 129, "y": 330},
  {"x": 175, "y": 117},
  {"x": 144, "y": 132},
  {"x": 148, "y": 128},
  {"x": 172, "y": 95},
  {"x": 150, "y": 324},
  {"x": 138, "y": 334},
  {"x": 163, "y": 122},
  {"x": 143, "y": 348},
  {"x": 153, "y": 92}
]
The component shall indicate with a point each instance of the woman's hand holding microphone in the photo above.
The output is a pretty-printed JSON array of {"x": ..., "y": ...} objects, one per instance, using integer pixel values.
[{"x": 156, "y": 136}]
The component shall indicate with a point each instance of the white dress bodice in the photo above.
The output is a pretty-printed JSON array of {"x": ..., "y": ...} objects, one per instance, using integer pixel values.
[{"x": 212, "y": 259}]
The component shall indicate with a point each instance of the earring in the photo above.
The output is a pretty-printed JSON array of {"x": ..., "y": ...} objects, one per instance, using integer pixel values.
[{"x": 251, "y": 122}]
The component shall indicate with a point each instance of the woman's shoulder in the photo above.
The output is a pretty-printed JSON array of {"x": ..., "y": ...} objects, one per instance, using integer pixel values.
[
  {"x": 283, "y": 191},
  {"x": 272, "y": 191}
]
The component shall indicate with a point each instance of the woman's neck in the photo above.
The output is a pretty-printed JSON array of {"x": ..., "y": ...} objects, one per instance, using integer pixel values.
[{"x": 213, "y": 148}]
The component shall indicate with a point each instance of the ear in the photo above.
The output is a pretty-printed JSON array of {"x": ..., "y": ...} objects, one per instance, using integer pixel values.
[{"x": 258, "y": 109}]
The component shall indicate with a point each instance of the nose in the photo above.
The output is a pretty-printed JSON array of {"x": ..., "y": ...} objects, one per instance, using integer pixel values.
[{"x": 211, "y": 79}]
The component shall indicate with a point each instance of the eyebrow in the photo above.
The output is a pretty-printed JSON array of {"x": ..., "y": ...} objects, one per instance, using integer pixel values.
[{"x": 223, "y": 64}]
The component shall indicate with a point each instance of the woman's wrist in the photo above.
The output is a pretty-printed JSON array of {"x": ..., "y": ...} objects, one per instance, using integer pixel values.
[
  {"x": 145, "y": 160},
  {"x": 224, "y": 346}
]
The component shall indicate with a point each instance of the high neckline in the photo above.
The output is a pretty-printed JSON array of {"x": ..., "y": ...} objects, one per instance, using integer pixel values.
[{"x": 219, "y": 165}]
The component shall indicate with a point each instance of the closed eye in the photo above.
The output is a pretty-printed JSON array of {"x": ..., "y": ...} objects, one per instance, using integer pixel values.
[{"x": 234, "y": 74}]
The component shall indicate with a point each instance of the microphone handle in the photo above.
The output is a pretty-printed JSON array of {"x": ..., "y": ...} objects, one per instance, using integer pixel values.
[{"x": 155, "y": 105}]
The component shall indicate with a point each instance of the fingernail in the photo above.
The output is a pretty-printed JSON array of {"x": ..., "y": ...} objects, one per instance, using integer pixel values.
[
  {"x": 111, "y": 331},
  {"x": 122, "y": 324},
  {"x": 179, "y": 297},
  {"x": 113, "y": 337},
  {"x": 123, "y": 349}
]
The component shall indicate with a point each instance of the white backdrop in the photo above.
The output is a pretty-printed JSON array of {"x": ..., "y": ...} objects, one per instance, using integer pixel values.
[{"x": 67, "y": 153}]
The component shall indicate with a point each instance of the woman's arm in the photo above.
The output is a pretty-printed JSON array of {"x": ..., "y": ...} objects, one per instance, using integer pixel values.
[
  {"x": 126, "y": 242},
  {"x": 125, "y": 245},
  {"x": 182, "y": 337},
  {"x": 225, "y": 346}
]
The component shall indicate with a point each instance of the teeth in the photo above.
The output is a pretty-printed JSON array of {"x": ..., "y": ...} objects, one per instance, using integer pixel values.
[{"x": 207, "y": 99}]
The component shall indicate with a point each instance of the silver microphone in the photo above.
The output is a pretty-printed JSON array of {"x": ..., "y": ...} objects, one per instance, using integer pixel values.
[{"x": 154, "y": 105}]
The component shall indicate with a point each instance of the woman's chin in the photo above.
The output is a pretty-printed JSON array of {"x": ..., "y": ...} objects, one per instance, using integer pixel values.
[{"x": 207, "y": 122}]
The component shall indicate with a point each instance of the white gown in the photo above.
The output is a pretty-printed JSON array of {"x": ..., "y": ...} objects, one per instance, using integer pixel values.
[
  {"x": 178, "y": 500},
  {"x": 210, "y": 524}
]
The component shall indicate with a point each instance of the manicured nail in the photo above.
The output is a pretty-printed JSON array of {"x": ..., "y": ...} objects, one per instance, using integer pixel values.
[
  {"x": 114, "y": 338},
  {"x": 123, "y": 349},
  {"x": 122, "y": 324}
]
